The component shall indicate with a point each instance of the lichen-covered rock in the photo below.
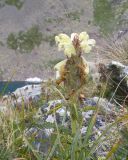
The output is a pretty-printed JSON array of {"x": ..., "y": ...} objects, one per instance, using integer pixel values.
[
  {"x": 48, "y": 119},
  {"x": 23, "y": 95},
  {"x": 115, "y": 75}
]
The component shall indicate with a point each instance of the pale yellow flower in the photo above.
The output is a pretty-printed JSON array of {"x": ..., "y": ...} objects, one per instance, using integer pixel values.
[
  {"x": 57, "y": 39},
  {"x": 62, "y": 38},
  {"x": 65, "y": 43},
  {"x": 83, "y": 36},
  {"x": 60, "y": 64},
  {"x": 73, "y": 35},
  {"x": 69, "y": 50},
  {"x": 86, "y": 44},
  {"x": 85, "y": 47},
  {"x": 60, "y": 46},
  {"x": 59, "y": 67},
  {"x": 86, "y": 64}
]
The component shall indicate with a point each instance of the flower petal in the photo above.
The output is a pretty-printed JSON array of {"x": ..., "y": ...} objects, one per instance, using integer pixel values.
[
  {"x": 91, "y": 42},
  {"x": 73, "y": 35},
  {"x": 83, "y": 36},
  {"x": 66, "y": 44},
  {"x": 69, "y": 50},
  {"x": 64, "y": 38},
  {"x": 57, "y": 74},
  {"x": 86, "y": 64},
  {"x": 60, "y": 65},
  {"x": 85, "y": 47},
  {"x": 57, "y": 39},
  {"x": 60, "y": 46}
]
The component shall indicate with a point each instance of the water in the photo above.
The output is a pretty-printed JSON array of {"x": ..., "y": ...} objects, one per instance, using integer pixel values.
[
  {"x": 110, "y": 15},
  {"x": 8, "y": 87}
]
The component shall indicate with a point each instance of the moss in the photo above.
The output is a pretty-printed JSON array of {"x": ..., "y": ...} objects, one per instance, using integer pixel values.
[
  {"x": 1, "y": 43},
  {"x": 25, "y": 42},
  {"x": 12, "y": 41},
  {"x": 17, "y": 3},
  {"x": 104, "y": 15},
  {"x": 50, "y": 39},
  {"x": 75, "y": 15},
  {"x": 1, "y": 74},
  {"x": 108, "y": 15},
  {"x": 52, "y": 20}
]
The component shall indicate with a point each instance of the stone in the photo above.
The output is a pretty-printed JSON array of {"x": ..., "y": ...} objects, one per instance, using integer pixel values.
[
  {"x": 26, "y": 94},
  {"x": 104, "y": 104},
  {"x": 115, "y": 74}
]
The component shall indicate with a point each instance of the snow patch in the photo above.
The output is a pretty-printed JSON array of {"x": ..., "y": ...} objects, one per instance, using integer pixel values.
[
  {"x": 118, "y": 64},
  {"x": 35, "y": 80}
]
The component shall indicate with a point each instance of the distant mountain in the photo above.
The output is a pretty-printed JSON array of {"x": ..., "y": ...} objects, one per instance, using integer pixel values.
[{"x": 52, "y": 17}]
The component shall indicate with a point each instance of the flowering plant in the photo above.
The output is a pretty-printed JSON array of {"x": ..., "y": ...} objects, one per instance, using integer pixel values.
[
  {"x": 73, "y": 71},
  {"x": 74, "y": 45}
]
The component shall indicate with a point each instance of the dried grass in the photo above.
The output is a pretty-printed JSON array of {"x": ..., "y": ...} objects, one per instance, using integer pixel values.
[{"x": 117, "y": 50}]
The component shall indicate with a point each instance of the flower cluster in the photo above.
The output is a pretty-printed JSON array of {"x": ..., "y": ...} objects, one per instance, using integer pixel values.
[{"x": 76, "y": 44}]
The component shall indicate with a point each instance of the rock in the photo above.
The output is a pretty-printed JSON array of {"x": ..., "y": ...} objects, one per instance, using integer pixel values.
[
  {"x": 104, "y": 104},
  {"x": 40, "y": 135},
  {"x": 50, "y": 119},
  {"x": 44, "y": 118},
  {"x": 115, "y": 75},
  {"x": 100, "y": 122},
  {"x": 87, "y": 114},
  {"x": 47, "y": 121},
  {"x": 90, "y": 102},
  {"x": 93, "y": 72},
  {"x": 118, "y": 64},
  {"x": 26, "y": 94},
  {"x": 83, "y": 130},
  {"x": 28, "y": 90}
]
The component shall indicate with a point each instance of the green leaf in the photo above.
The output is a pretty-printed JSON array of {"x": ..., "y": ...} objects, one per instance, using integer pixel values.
[
  {"x": 113, "y": 150},
  {"x": 74, "y": 145}
]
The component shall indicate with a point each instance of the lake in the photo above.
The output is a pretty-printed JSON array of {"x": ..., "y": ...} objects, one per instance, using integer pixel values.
[{"x": 7, "y": 87}]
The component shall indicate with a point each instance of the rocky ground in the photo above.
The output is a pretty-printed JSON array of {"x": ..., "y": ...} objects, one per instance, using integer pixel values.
[
  {"x": 109, "y": 110},
  {"x": 52, "y": 17}
]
